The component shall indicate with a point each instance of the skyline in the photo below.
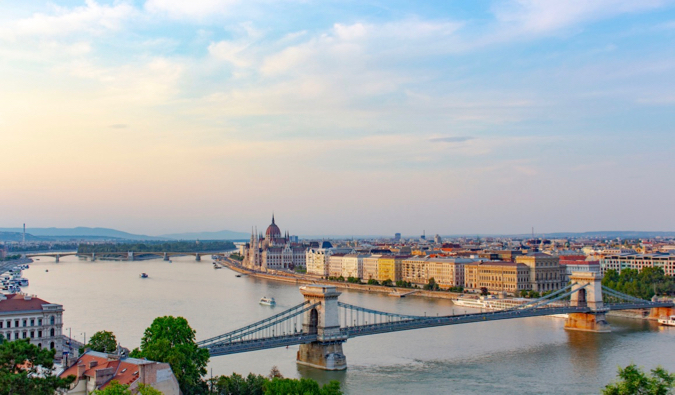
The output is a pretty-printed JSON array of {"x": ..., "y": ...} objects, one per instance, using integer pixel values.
[{"x": 161, "y": 117}]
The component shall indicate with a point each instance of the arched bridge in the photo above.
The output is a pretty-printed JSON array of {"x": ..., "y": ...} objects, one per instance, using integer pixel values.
[
  {"x": 321, "y": 323},
  {"x": 129, "y": 255}
]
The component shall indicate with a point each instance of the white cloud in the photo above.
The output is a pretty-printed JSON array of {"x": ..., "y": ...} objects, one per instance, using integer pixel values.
[
  {"x": 194, "y": 9},
  {"x": 92, "y": 18},
  {"x": 542, "y": 16}
]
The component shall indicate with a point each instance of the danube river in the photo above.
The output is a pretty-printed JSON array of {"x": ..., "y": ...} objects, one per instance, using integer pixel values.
[{"x": 526, "y": 356}]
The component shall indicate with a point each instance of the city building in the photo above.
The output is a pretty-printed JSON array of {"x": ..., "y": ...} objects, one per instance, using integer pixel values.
[
  {"x": 446, "y": 272},
  {"x": 370, "y": 267},
  {"x": 95, "y": 371},
  {"x": 546, "y": 273},
  {"x": 497, "y": 276},
  {"x": 352, "y": 265},
  {"x": 397, "y": 236},
  {"x": 273, "y": 251},
  {"x": 638, "y": 262},
  {"x": 389, "y": 267},
  {"x": 335, "y": 264},
  {"x": 28, "y": 317}
]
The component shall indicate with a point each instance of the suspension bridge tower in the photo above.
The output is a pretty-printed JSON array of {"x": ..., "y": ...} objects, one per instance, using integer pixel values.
[
  {"x": 590, "y": 296},
  {"x": 323, "y": 321}
]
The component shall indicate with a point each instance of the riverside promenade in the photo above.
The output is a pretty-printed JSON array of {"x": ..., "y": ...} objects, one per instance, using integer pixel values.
[{"x": 300, "y": 279}]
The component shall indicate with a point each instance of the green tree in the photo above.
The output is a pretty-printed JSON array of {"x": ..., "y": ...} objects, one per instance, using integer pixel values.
[
  {"x": 634, "y": 381},
  {"x": 103, "y": 341},
  {"x": 372, "y": 281},
  {"x": 115, "y": 388},
  {"x": 484, "y": 291},
  {"x": 301, "y": 387},
  {"x": 27, "y": 369},
  {"x": 432, "y": 285},
  {"x": 172, "y": 340},
  {"x": 387, "y": 283}
]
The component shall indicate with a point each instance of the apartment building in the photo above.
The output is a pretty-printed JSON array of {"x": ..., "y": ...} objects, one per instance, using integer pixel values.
[{"x": 497, "y": 276}]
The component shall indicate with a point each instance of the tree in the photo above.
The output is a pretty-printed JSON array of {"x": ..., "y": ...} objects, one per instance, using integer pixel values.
[
  {"x": 103, "y": 341},
  {"x": 484, "y": 291},
  {"x": 172, "y": 340},
  {"x": 27, "y": 369},
  {"x": 115, "y": 388},
  {"x": 387, "y": 283},
  {"x": 372, "y": 281},
  {"x": 432, "y": 285},
  {"x": 633, "y": 380}
]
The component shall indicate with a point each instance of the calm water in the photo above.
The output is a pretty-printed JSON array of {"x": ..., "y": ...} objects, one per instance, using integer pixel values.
[{"x": 527, "y": 356}]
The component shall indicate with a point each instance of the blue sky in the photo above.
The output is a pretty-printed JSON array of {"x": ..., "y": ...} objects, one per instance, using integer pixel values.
[{"x": 163, "y": 116}]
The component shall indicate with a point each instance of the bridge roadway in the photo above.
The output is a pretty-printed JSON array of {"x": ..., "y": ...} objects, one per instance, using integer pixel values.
[{"x": 239, "y": 346}]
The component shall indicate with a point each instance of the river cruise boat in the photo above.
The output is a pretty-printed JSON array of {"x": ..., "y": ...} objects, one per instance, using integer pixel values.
[
  {"x": 144, "y": 275},
  {"x": 670, "y": 321},
  {"x": 267, "y": 301}
]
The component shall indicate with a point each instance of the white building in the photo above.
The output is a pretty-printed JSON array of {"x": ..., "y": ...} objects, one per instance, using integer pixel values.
[
  {"x": 28, "y": 317},
  {"x": 352, "y": 265},
  {"x": 638, "y": 262}
]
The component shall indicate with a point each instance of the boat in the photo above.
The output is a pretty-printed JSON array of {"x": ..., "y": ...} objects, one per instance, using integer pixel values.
[
  {"x": 670, "y": 321},
  {"x": 144, "y": 275},
  {"x": 267, "y": 301},
  {"x": 238, "y": 275},
  {"x": 217, "y": 267}
]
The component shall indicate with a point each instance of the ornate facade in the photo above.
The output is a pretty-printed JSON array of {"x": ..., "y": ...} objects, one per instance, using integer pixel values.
[{"x": 273, "y": 251}]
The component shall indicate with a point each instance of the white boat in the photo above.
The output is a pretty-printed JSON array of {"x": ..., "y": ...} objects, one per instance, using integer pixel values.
[
  {"x": 267, "y": 301},
  {"x": 670, "y": 321}
]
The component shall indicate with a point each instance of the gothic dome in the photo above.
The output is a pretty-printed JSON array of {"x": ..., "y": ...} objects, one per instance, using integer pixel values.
[{"x": 273, "y": 231}]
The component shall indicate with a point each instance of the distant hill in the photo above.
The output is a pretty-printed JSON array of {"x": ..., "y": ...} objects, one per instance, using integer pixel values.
[
  {"x": 219, "y": 235},
  {"x": 18, "y": 236},
  {"x": 81, "y": 233}
]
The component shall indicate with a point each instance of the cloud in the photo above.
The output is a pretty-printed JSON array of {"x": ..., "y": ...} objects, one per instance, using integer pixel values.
[
  {"x": 543, "y": 16},
  {"x": 453, "y": 139},
  {"x": 197, "y": 9},
  {"x": 92, "y": 18}
]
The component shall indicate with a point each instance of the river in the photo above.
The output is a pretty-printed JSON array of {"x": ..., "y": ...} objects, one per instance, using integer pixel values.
[{"x": 525, "y": 356}]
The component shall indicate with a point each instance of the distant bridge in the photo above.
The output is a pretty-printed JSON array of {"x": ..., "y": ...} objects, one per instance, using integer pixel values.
[
  {"x": 129, "y": 255},
  {"x": 321, "y": 323}
]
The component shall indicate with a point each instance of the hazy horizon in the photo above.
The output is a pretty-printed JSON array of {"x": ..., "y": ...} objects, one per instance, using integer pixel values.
[{"x": 488, "y": 117}]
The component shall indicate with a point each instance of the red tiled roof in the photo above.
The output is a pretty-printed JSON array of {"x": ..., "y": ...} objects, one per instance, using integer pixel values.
[
  {"x": 580, "y": 262},
  {"x": 17, "y": 302},
  {"x": 125, "y": 372}
]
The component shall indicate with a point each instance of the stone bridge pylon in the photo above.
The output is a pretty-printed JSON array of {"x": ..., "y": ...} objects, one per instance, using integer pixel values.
[
  {"x": 590, "y": 296},
  {"x": 323, "y": 321}
]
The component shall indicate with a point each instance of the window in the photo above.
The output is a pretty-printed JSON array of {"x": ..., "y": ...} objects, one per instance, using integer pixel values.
[
  {"x": 25, "y": 322},
  {"x": 32, "y": 334},
  {"x": 52, "y": 320},
  {"x": 51, "y": 333},
  {"x": 1, "y": 324},
  {"x": 39, "y": 334},
  {"x": 32, "y": 322},
  {"x": 16, "y": 323},
  {"x": 51, "y": 345},
  {"x": 24, "y": 335},
  {"x": 39, "y": 321},
  {"x": 16, "y": 335}
]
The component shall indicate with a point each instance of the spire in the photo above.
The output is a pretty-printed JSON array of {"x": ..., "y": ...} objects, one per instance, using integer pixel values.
[{"x": 272, "y": 217}]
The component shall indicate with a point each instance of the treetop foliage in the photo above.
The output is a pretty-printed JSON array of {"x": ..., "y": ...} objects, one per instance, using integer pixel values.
[
  {"x": 643, "y": 284},
  {"x": 27, "y": 369},
  {"x": 174, "y": 246},
  {"x": 634, "y": 381}
]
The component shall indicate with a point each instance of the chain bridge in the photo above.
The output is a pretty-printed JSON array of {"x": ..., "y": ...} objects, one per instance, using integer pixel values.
[{"x": 321, "y": 324}]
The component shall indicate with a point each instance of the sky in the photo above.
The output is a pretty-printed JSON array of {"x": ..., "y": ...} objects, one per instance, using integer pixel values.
[{"x": 348, "y": 117}]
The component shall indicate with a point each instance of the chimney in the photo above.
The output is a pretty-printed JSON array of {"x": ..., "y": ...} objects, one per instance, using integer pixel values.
[{"x": 80, "y": 370}]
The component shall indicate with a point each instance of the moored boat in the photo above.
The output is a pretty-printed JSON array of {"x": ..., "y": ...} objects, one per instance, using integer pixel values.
[
  {"x": 267, "y": 301},
  {"x": 670, "y": 321},
  {"x": 144, "y": 275}
]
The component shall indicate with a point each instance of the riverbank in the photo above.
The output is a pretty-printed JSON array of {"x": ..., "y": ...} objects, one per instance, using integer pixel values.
[{"x": 300, "y": 279}]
